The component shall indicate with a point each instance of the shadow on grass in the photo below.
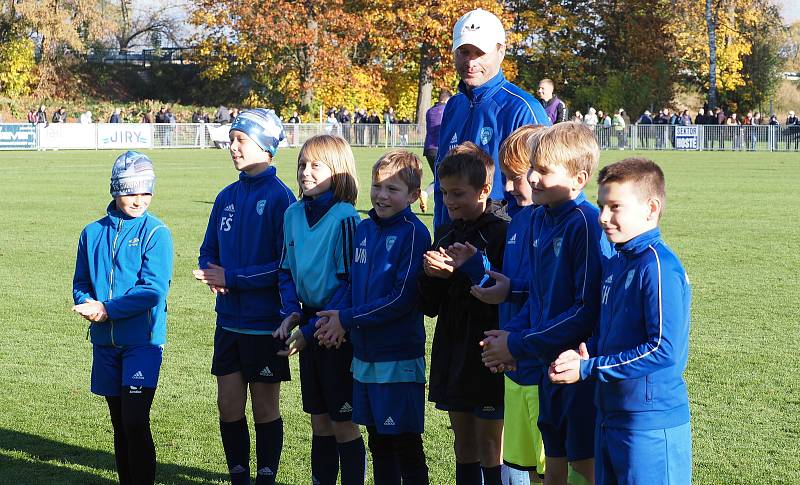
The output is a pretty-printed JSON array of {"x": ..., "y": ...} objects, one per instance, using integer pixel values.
[{"x": 50, "y": 462}]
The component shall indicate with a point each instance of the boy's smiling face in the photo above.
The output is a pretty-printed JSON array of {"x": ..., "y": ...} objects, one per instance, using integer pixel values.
[
  {"x": 519, "y": 185},
  {"x": 314, "y": 177},
  {"x": 553, "y": 185},
  {"x": 463, "y": 201},
  {"x": 133, "y": 205},
  {"x": 247, "y": 156},
  {"x": 389, "y": 194},
  {"x": 624, "y": 213}
]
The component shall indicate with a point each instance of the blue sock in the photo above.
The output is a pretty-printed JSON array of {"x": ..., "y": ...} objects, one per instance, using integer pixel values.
[
  {"x": 236, "y": 443},
  {"x": 492, "y": 475},
  {"x": 353, "y": 457},
  {"x": 324, "y": 460},
  {"x": 269, "y": 443},
  {"x": 468, "y": 473}
]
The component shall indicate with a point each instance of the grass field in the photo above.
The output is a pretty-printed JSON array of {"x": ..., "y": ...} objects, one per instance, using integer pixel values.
[{"x": 732, "y": 218}]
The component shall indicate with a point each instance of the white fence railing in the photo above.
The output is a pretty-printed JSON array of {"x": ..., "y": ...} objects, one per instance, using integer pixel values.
[{"x": 61, "y": 136}]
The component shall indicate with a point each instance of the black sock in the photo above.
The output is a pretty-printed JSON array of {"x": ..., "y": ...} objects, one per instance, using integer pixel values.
[
  {"x": 411, "y": 456},
  {"x": 324, "y": 460},
  {"x": 352, "y": 455},
  {"x": 468, "y": 473},
  {"x": 120, "y": 442},
  {"x": 385, "y": 468},
  {"x": 269, "y": 443},
  {"x": 136, "y": 403},
  {"x": 236, "y": 443},
  {"x": 491, "y": 475}
]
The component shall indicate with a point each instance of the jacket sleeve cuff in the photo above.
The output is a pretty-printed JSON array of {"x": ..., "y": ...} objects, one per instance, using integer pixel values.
[
  {"x": 111, "y": 309},
  {"x": 586, "y": 368},
  {"x": 473, "y": 268},
  {"x": 515, "y": 345},
  {"x": 346, "y": 318},
  {"x": 308, "y": 330},
  {"x": 230, "y": 279}
]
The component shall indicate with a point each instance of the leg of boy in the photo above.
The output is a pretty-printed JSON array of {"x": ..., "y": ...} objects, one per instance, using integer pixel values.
[
  {"x": 231, "y": 400},
  {"x": 490, "y": 440},
  {"x": 523, "y": 449},
  {"x": 135, "y": 406},
  {"x": 465, "y": 444},
  {"x": 120, "y": 441},
  {"x": 580, "y": 427},
  {"x": 265, "y": 399},
  {"x": 324, "y": 453}
]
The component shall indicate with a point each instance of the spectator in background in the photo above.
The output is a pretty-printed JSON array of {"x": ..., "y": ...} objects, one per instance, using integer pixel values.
[
  {"x": 41, "y": 116},
  {"x": 577, "y": 117},
  {"x": 590, "y": 119},
  {"x": 686, "y": 119},
  {"x": 359, "y": 118},
  {"x": 792, "y": 130},
  {"x": 733, "y": 133},
  {"x": 345, "y": 121},
  {"x": 223, "y": 115},
  {"x": 115, "y": 117},
  {"x": 700, "y": 119},
  {"x": 295, "y": 118},
  {"x": 147, "y": 117},
  {"x": 433, "y": 123},
  {"x": 86, "y": 118},
  {"x": 234, "y": 114},
  {"x": 373, "y": 120},
  {"x": 293, "y": 131},
  {"x": 60, "y": 116},
  {"x": 331, "y": 123},
  {"x": 161, "y": 116},
  {"x": 643, "y": 130},
  {"x": 619, "y": 127},
  {"x": 555, "y": 108},
  {"x": 32, "y": 116}
]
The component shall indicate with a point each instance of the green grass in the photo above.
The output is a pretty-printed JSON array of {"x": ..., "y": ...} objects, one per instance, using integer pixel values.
[{"x": 732, "y": 218}]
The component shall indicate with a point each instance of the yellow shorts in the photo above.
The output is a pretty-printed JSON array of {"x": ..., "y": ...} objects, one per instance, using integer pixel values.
[{"x": 522, "y": 443}]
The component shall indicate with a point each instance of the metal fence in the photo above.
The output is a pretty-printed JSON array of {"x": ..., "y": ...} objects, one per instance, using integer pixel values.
[{"x": 25, "y": 136}]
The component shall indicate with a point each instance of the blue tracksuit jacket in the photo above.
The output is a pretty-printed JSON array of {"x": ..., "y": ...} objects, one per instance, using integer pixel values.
[
  {"x": 516, "y": 266},
  {"x": 485, "y": 115},
  {"x": 127, "y": 264},
  {"x": 566, "y": 267},
  {"x": 643, "y": 337},
  {"x": 380, "y": 307},
  {"x": 245, "y": 236}
]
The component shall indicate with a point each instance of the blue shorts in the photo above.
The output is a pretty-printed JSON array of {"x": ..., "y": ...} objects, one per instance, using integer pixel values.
[
  {"x": 566, "y": 419},
  {"x": 634, "y": 457},
  {"x": 117, "y": 367},
  {"x": 393, "y": 408},
  {"x": 255, "y": 356},
  {"x": 326, "y": 382},
  {"x": 481, "y": 412}
]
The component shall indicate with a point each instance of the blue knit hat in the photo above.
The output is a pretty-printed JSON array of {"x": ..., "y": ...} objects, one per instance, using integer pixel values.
[
  {"x": 263, "y": 126},
  {"x": 131, "y": 174}
]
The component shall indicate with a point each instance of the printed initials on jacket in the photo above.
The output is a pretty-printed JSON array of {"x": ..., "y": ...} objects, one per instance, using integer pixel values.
[
  {"x": 225, "y": 223},
  {"x": 606, "y": 290}
]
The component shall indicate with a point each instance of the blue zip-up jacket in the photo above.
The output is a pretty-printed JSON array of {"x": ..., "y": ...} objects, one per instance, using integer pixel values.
[
  {"x": 567, "y": 249},
  {"x": 485, "y": 115},
  {"x": 126, "y": 263},
  {"x": 643, "y": 337},
  {"x": 245, "y": 236},
  {"x": 516, "y": 266},
  {"x": 381, "y": 307}
]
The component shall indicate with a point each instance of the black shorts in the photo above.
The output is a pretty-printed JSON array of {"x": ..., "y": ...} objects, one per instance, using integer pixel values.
[
  {"x": 326, "y": 382},
  {"x": 255, "y": 356}
]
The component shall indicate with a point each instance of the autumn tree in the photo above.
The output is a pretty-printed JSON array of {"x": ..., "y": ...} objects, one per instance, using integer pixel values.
[{"x": 134, "y": 23}]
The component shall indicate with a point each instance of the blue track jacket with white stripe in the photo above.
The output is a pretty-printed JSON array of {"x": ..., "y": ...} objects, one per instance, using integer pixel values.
[
  {"x": 485, "y": 115},
  {"x": 245, "y": 236},
  {"x": 381, "y": 308},
  {"x": 643, "y": 338},
  {"x": 567, "y": 249},
  {"x": 126, "y": 263}
]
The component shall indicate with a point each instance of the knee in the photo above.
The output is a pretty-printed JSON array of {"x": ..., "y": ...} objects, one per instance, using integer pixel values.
[
  {"x": 321, "y": 425},
  {"x": 230, "y": 409},
  {"x": 466, "y": 449},
  {"x": 345, "y": 431}
]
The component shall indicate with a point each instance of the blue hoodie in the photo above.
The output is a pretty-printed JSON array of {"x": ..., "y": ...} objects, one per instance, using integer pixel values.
[
  {"x": 643, "y": 337},
  {"x": 126, "y": 263},
  {"x": 380, "y": 308},
  {"x": 245, "y": 236},
  {"x": 566, "y": 256},
  {"x": 485, "y": 115}
]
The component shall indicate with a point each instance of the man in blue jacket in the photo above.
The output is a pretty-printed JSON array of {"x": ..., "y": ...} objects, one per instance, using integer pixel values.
[
  {"x": 487, "y": 107},
  {"x": 122, "y": 276},
  {"x": 642, "y": 343}
]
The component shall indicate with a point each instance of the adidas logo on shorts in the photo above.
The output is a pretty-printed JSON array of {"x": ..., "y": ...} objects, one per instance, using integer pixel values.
[
  {"x": 138, "y": 375},
  {"x": 389, "y": 421},
  {"x": 346, "y": 408},
  {"x": 265, "y": 372}
]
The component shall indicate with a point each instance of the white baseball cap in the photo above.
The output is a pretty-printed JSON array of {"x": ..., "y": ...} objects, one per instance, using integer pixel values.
[{"x": 480, "y": 28}]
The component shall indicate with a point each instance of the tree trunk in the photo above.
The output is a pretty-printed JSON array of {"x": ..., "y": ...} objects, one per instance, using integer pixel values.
[
  {"x": 425, "y": 85},
  {"x": 307, "y": 79},
  {"x": 711, "y": 24}
]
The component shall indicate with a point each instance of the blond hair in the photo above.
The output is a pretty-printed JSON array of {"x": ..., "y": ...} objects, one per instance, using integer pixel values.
[
  {"x": 404, "y": 164},
  {"x": 336, "y": 154},
  {"x": 571, "y": 145},
  {"x": 516, "y": 149}
]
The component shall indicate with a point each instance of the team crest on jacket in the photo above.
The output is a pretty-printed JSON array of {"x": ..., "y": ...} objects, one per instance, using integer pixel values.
[
  {"x": 629, "y": 278},
  {"x": 390, "y": 242},
  {"x": 486, "y": 135},
  {"x": 260, "y": 206},
  {"x": 557, "y": 245}
]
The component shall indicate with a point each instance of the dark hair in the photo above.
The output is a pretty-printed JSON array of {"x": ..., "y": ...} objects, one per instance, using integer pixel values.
[
  {"x": 468, "y": 161},
  {"x": 645, "y": 176}
]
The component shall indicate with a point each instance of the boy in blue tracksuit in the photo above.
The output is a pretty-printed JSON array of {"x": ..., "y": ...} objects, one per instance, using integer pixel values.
[
  {"x": 563, "y": 305},
  {"x": 380, "y": 310},
  {"x": 642, "y": 343},
  {"x": 240, "y": 262},
  {"x": 523, "y": 450},
  {"x": 122, "y": 276}
]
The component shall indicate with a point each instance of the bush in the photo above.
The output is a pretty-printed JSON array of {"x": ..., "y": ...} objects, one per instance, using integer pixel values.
[{"x": 17, "y": 64}]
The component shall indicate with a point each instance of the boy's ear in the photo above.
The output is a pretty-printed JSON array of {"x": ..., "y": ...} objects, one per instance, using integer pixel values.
[
  {"x": 581, "y": 179},
  {"x": 654, "y": 205},
  {"x": 486, "y": 191}
]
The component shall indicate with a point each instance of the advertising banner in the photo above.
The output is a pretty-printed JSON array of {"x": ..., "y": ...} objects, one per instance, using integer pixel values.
[
  {"x": 67, "y": 136},
  {"x": 19, "y": 136},
  {"x": 686, "y": 137},
  {"x": 124, "y": 135}
]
